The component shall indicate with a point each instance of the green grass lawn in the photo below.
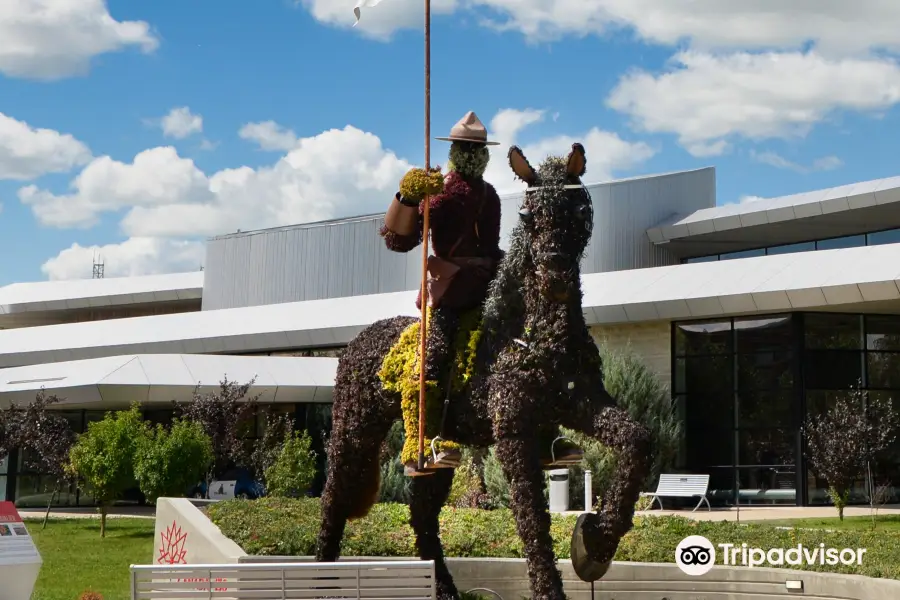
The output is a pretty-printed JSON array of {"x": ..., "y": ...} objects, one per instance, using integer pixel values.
[
  {"x": 886, "y": 522},
  {"x": 76, "y": 559}
]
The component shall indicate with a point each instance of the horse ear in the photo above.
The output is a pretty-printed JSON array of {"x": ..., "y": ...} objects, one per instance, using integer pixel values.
[
  {"x": 519, "y": 164},
  {"x": 577, "y": 161}
]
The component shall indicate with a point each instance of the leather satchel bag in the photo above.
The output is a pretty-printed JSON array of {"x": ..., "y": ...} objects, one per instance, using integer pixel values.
[{"x": 440, "y": 271}]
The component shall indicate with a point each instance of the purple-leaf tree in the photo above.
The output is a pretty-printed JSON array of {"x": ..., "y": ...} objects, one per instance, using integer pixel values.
[
  {"x": 844, "y": 439},
  {"x": 43, "y": 437},
  {"x": 222, "y": 414}
]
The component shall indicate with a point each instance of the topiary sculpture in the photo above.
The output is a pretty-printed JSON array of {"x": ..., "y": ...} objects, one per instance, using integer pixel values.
[{"x": 535, "y": 368}]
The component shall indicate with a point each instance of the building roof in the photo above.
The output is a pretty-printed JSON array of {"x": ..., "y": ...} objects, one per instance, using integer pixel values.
[
  {"x": 833, "y": 212},
  {"x": 117, "y": 381},
  {"x": 91, "y": 293},
  {"x": 854, "y": 279},
  {"x": 863, "y": 278}
]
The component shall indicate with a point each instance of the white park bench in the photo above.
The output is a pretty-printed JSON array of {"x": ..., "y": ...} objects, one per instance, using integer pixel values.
[
  {"x": 681, "y": 486},
  {"x": 382, "y": 580}
]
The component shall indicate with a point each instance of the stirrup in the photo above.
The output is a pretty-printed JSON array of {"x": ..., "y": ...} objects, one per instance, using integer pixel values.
[
  {"x": 445, "y": 459},
  {"x": 572, "y": 458}
]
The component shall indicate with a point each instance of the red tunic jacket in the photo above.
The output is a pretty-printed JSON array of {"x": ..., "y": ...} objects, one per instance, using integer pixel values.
[{"x": 450, "y": 213}]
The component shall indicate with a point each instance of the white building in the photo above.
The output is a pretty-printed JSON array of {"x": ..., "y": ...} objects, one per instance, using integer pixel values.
[{"x": 755, "y": 314}]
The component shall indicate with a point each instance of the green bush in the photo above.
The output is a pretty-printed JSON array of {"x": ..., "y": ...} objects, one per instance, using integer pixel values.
[
  {"x": 273, "y": 526},
  {"x": 169, "y": 461},
  {"x": 295, "y": 468}
]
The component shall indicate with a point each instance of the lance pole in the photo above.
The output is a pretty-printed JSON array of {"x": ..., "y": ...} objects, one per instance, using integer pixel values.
[{"x": 423, "y": 323}]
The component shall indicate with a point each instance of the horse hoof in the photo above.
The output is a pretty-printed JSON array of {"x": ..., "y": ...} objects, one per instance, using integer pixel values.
[{"x": 586, "y": 568}]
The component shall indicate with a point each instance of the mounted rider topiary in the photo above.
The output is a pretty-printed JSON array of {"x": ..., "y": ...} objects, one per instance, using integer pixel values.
[{"x": 534, "y": 367}]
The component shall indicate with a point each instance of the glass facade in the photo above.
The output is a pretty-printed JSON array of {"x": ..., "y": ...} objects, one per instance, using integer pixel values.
[
  {"x": 745, "y": 385},
  {"x": 890, "y": 236}
]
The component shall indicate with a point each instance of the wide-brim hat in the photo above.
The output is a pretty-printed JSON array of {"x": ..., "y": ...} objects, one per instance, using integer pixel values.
[{"x": 469, "y": 129}]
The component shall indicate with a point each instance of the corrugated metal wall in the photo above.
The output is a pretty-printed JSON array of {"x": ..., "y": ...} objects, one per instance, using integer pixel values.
[{"x": 348, "y": 258}]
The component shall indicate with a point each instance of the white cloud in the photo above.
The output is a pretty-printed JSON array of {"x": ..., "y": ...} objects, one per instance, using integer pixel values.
[
  {"x": 745, "y": 199},
  {"x": 378, "y": 22},
  {"x": 155, "y": 177},
  {"x": 51, "y": 39},
  {"x": 168, "y": 203},
  {"x": 269, "y": 135},
  {"x": 606, "y": 151},
  {"x": 826, "y": 163},
  {"x": 27, "y": 152},
  {"x": 706, "y": 99},
  {"x": 135, "y": 256},
  {"x": 833, "y": 25},
  {"x": 181, "y": 123}
]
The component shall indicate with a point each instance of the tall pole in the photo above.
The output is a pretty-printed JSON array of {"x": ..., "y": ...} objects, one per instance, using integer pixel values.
[{"x": 423, "y": 326}]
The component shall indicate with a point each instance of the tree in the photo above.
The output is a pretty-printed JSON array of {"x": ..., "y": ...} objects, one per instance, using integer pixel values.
[
  {"x": 103, "y": 457},
  {"x": 842, "y": 440},
  {"x": 278, "y": 429},
  {"x": 43, "y": 437},
  {"x": 295, "y": 468},
  {"x": 169, "y": 461},
  {"x": 221, "y": 415}
]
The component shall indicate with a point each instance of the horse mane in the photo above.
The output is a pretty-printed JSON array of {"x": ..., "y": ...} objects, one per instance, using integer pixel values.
[{"x": 504, "y": 307}]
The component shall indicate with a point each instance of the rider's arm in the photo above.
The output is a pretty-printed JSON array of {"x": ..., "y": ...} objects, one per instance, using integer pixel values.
[
  {"x": 489, "y": 224},
  {"x": 402, "y": 230}
]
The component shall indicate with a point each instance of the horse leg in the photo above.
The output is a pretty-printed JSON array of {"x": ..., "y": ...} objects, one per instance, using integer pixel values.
[
  {"x": 521, "y": 460},
  {"x": 362, "y": 415},
  {"x": 614, "y": 428},
  {"x": 427, "y": 498}
]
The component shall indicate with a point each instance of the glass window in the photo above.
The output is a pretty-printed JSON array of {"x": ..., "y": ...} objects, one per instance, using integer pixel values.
[
  {"x": 766, "y": 408},
  {"x": 850, "y": 241},
  {"x": 762, "y": 335},
  {"x": 884, "y": 370},
  {"x": 765, "y": 371},
  {"x": 767, "y": 446},
  {"x": 828, "y": 331},
  {"x": 714, "y": 448},
  {"x": 791, "y": 248},
  {"x": 832, "y": 370},
  {"x": 703, "y": 338},
  {"x": 743, "y": 254},
  {"x": 891, "y": 236},
  {"x": 883, "y": 333},
  {"x": 704, "y": 374},
  {"x": 702, "y": 259}
]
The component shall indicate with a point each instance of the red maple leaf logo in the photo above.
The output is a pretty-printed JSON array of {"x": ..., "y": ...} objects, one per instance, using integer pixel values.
[{"x": 171, "y": 551}]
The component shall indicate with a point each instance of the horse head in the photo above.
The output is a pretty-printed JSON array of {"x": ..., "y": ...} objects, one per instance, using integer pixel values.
[{"x": 556, "y": 219}]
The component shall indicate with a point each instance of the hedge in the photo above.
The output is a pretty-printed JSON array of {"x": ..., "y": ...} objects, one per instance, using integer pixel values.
[{"x": 288, "y": 527}]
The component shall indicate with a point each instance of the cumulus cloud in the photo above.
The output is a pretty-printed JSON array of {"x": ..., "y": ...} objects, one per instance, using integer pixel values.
[
  {"x": 27, "y": 152},
  {"x": 52, "y": 39},
  {"x": 269, "y": 135},
  {"x": 181, "y": 123},
  {"x": 168, "y": 204},
  {"x": 135, "y": 256},
  {"x": 706, "y": 100},
  {"x": 606, "y": 152},
  {"x": 833, "y": 25}
]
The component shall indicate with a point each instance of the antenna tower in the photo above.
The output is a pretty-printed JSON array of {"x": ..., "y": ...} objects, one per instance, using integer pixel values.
[{"x": 98, "y": 267}]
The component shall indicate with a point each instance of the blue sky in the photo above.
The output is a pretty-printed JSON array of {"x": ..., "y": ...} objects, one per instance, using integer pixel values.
[{"x": 779, "y": 100}]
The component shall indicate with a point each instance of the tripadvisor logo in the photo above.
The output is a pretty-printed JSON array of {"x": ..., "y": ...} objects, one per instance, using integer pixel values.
[{"x": 695, "y": 555}]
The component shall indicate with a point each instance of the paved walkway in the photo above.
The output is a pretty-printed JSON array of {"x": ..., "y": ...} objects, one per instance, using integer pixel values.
[
  {"x": 770, "y": 513},
  {"x": 139, "y": 512}
]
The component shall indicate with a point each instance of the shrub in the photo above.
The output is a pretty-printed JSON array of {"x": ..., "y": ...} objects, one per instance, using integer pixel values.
[
  {"x": 169, "y": 461},
  {"x": 495, "y": 484},
  {"x": 843, "y": 440},
  {"x": 282, "y": 527},
  {"x": 103, "y": 457},
  {"x": 467, "y": 491},
  {"x": 295, "y": 468}
]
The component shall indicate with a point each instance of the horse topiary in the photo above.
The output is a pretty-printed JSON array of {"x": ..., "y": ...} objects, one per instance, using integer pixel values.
[{"x": 532, "y": 367}]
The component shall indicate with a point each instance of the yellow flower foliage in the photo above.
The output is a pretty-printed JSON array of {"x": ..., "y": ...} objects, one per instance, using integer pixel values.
[
  {"x": 417, "y": 184},
  {"x": 400, "y": 374}
]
